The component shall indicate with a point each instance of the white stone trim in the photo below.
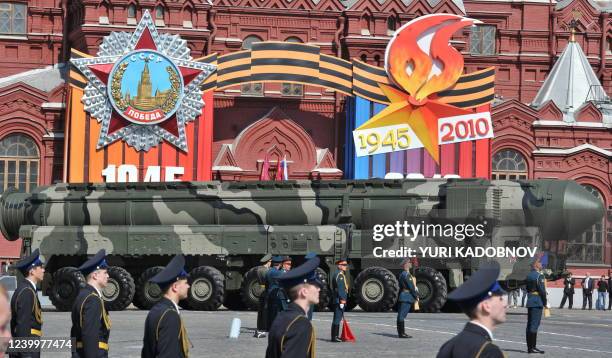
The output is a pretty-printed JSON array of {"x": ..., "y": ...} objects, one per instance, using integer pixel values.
[
  {"x": 54, "y": 135},
  {"x": 571, "y": 124},
  {"x": 586, "y": 146},
  {"x": 227, "y": 167},
  {"x": 53, "y": 105}
]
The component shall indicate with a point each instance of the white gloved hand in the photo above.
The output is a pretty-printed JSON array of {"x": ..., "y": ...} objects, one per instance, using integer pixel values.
[
  {"x": 548, "y": 305},
  {"x": 342, "y": 306}
]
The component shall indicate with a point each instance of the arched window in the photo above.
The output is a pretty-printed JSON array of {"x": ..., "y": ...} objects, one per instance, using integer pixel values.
[
  {"x": 251, "y": 88},
  {"x": 391, "y": 24},
  {"x": 160, "y": 12},
  {"x": 588, "y": 247},
  {"x": 131, "y": 11},
  {"x": 292, "y": 89},
  {"x": 508, "y": 164},
  {"x": 19, "y": 163},
  {"x": 248, "y": 41}
]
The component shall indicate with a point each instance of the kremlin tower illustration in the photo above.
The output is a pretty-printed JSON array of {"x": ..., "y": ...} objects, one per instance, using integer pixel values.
[{"x": 144, "y": 99}]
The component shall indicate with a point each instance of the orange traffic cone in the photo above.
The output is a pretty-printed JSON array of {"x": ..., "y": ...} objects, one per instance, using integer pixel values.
[{"x": 347, "y": 334}]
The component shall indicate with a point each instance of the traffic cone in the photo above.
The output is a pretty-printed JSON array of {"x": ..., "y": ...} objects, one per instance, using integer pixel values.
[{"x": 347, "y": 334}]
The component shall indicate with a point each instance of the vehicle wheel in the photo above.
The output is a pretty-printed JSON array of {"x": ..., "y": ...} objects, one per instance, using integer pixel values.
[
  {"x": 325, "y": 293},
  {"x": 376, "y": 289},
  {"x": 207, "y": 288},
  {"x": 351, "y": 303},
  {"x": 432, "y": 289},
  {"x": 147, "y": 293},
  {"x": 64, "y": 288},
  {"x": 233, "y": 301},
  {"x": 119, "y": 292},
  {"x": 251, "y": 290},
  {"x": 184, "y": 304}
]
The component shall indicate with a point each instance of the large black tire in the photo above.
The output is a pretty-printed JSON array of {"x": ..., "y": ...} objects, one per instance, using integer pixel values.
[
  {"x": 376, "y": 289},
  {"x": 65, "y": 285},
  {"x": 119, "y": 292},
  {"x": 184, "y": 304},
  {"x": 325, "y": 293},
  {"x": 251, "y": 290},
  {"x": 207, "y": 289},
  {"x": 432, "y": 289},
  {"x": 351, "y": 303},
  {"x": 233, "y": 301},
  {"x": 147, "y": 293}
]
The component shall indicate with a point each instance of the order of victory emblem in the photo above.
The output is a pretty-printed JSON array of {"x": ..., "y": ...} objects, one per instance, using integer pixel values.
[{"x": 143, "y": 87}]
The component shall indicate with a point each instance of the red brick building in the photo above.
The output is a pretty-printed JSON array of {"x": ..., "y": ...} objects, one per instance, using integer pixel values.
[{"x": 523, "y": 39}]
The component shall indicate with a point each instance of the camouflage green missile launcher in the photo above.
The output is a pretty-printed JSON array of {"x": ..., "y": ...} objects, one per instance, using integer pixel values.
[{"x": 223, "y": 229}]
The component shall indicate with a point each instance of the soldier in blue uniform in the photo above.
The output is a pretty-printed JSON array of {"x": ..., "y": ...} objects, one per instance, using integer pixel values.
[
  {"x": 309, "y": 256},
  {"x": 90, "y": 321},
  {"x": 273, "y": 288},
  {"x": 26, "y": 319},
  {"x": 262, "y": 309},
  {"x": 165, "y": 335},
  {"x": 407, "y": 296},
  {"x": 292, "y": 334},
  {"x": 484, "y": 302},
  {"x": 340, "y": 289},
  {"x": 536, "y": 301}
]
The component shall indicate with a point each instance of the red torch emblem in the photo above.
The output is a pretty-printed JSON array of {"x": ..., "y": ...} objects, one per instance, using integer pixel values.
[{"x": 421, "y": 62}]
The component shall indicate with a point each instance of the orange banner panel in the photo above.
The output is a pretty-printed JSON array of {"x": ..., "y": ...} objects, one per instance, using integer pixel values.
[
  {"x": 77, "y": 138},
  {"x": 96, "y": 156}
]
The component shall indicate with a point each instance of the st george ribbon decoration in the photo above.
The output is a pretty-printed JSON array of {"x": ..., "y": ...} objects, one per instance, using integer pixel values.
[
  {"x": 143, "y": 87},
  {"x": 420, "y": 61}
]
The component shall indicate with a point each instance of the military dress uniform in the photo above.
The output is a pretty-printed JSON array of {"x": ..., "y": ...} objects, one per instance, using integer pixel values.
[
  {"x": 292, "y": 334},
  {"x": 26, "y": 315},
  {"x": 475, "y": 340},
  {"x": 340, "y": 289},
  {"x": 165, "y": 335},
  {"x": 273, "y": 291},
  {"x": 262, "y": 308},
  {"x": 407, "y": 296},
  {"x": 309, "y": 256},
  {"x": 536, "y": 301},
  {"x": 90, "y": 322}
]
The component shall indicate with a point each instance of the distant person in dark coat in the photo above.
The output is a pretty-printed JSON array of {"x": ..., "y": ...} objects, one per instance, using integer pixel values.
[
  {"x": 568, "y": 291},
  {"x": 609, "y": 290},
  {"x": 587, "y": 291}
]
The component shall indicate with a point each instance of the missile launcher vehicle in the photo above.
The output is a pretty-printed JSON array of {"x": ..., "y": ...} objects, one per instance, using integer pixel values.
[{"x": 224, "y": 228}]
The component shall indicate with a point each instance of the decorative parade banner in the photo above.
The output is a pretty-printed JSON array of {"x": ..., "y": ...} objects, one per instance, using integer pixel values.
[
  {"x": 155, "y": 145},
  {"x": 421, "y": 63}
]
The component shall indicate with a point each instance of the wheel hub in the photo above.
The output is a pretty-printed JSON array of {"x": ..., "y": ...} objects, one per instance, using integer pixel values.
[
  {"x": 152, "y": 291},
  {"x": 372, "y": 290},
  {"x": 111, "y": 291},
  {"x": 201, "y": 289},
  {"x": 425, "y": 290}
]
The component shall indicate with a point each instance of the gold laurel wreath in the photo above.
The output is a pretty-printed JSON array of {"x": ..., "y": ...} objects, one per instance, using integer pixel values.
[
  {"x": 116, "y": 87},
  {"x": 172, "y": 98}
]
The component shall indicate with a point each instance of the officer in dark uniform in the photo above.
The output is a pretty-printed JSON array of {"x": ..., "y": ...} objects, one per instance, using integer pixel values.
[
  {"x": 90, "y": 321},
  {"x": 340, "y": 290},
  {"x": 273, "y": 289},
  {"x": 261, "y": 271},
  {"x": 26, "y": 315},
  {"x": 483, "y": 301},
  {"x": 165, "y": 335},
  {"x": 292, "y": 334},
  {"x": 407, "y": 296},
  {"x": 536, "y": 301},
  {"x": 309, "y": 256},
  {"x": 568, "y": 291}
]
